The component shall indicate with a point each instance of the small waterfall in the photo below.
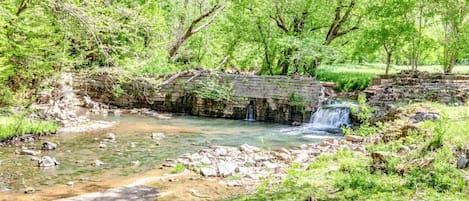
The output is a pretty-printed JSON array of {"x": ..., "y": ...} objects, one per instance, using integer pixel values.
[
  {"x": 330, "y": 117},
  {"x": 184, "y": 104},
  {"x": 250, "y": 116}
]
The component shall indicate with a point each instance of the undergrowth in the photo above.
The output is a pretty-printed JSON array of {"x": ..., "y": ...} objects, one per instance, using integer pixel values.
[{"x": 426, "y": 171}]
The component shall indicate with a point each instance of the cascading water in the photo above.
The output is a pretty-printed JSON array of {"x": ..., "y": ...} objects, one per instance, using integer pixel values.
[
  {"x": 330, "y": 118},
  {"x": 326, "y": 121},
  {"x": 250, "y": 116},
  {"x": 184, "y": 104}
]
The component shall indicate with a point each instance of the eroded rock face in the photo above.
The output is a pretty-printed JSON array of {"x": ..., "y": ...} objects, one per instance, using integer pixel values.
[{"x": 48, "y": 161}]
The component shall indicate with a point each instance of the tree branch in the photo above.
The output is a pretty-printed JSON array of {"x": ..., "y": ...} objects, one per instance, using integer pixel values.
[{"x": 213, "y": 12}]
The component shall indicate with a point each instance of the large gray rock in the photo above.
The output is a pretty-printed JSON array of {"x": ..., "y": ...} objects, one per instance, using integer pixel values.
[
  {"x": 47, "y": 161},
  {"x": 49, "y": 146},
  {"x": 463, "y": 163}
]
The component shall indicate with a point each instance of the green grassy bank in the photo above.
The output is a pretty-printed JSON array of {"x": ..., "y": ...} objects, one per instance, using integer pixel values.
[{"x": 425, "y": 171}]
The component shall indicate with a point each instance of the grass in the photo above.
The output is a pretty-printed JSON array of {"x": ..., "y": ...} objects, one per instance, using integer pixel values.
[
  {"x": 178, "y": 168},
  {"x": 12, "y": 126},
  {"x": 350, "y": 77},
  {"x": 347, "y": 175}
]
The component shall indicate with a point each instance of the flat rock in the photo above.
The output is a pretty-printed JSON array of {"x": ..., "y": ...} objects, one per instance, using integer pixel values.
[
  {"x": 29, "y": 152},
  {"x": 209, "y": 171}
]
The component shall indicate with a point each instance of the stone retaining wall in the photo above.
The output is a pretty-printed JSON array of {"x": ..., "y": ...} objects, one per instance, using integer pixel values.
[
  {"x": 419, "y": 87},
  {"x": 275, "y": 98}
]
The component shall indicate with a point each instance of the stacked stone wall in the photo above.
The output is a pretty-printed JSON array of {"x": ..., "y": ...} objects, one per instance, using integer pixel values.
[
  {"x": 275, "y": 98},
  {"x": 403, "y": 87}
]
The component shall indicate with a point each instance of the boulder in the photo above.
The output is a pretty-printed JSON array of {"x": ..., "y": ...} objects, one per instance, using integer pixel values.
[
  {"x": 49, "y": 146},
  {"x": 47, "y": 161}
]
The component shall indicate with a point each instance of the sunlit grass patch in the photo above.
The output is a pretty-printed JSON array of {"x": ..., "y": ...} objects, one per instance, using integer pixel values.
[{"x": 15, "y": 126}]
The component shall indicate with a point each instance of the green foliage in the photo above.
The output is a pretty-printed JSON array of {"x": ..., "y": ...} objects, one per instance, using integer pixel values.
[
  {"x": 346, "y": 175},
  {"x": 214, "y": 90},
  {"x": 17, "y": 125},
  {"x": 6, "y": 96},
  {"x": 178, "y": 168},
  {"x": 346, "y": 81},
  {"x": 363, "y": 112},
  {"x": 297, "y": 101}
]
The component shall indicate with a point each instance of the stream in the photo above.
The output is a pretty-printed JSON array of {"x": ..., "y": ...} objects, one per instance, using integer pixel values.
[{"x": 134, "y": 150}]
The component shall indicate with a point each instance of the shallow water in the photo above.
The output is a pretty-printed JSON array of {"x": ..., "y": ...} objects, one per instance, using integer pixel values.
[{"x": 135, "y": 151}]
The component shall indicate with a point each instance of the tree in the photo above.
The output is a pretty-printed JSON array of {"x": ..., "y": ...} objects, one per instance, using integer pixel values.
[
  {"x": 454, "y": 18},
  {"x": 386, "y": 28}
]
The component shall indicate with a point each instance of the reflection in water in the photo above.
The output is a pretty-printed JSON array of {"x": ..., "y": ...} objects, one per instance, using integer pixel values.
[{"x": 78, "y": 152}]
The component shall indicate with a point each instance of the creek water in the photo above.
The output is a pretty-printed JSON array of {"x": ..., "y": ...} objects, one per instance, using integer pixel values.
[{"x": 135, "y": 151}]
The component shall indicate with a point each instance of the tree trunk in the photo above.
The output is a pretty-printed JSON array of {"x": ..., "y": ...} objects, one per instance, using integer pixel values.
[
  {"x": 388, "y": 58},
  {"x": 388, "y": 61}
]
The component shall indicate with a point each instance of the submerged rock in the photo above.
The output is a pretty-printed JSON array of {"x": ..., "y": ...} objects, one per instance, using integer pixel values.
[
  {"x": 98, "y": 163},
  {"x": 29, "y": 152},
  {"x": 49, "y": 146},
  {"x": 102, "y": 145},
  {"x": 157, "y": 136},
  {"x": 48, "y": 161}
]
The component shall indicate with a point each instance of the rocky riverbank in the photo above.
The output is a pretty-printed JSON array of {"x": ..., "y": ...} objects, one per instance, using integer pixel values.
[{"x": 248, "y": 165}]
